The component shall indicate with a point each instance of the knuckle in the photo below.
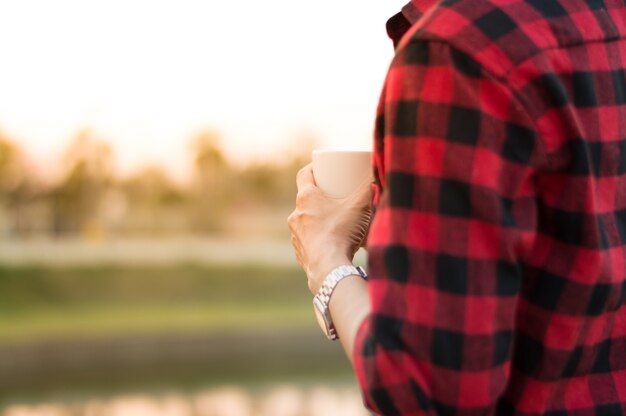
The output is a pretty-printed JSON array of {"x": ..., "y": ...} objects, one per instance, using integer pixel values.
[
  {"x": 301, "y": 172},
  {"x": 291, "y": 222},
  {"x": 300, "y": 198},
  {"x": 305, "y": 168},
  {"x": 305, "y": 194}
]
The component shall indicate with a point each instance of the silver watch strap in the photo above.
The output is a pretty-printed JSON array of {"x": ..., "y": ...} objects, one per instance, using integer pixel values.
[{"x": 334, "y": 277}]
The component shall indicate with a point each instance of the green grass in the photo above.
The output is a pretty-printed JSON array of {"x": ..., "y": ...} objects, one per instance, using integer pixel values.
[
  {"x": 38, "y": 323},
  {"x": 40, "y": 302}
]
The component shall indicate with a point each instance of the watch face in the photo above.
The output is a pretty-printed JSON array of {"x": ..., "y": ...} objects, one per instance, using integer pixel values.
[{"x": 318, "y": 307}]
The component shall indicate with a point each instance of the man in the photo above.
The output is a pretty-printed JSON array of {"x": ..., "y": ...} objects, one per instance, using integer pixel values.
[{"x": 497, "y": 250}]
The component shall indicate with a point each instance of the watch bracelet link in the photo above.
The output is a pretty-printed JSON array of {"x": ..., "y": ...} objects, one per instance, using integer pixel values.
[
  {"x": 326, "y": 290},
  {"x": 334, "y": 277}
]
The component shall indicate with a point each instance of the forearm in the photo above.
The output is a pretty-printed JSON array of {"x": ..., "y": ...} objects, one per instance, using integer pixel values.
[{"x": 349, "y": 305}]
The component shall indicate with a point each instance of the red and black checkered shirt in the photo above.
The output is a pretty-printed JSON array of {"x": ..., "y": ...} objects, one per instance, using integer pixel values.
[{"x": 497, "y": 252}]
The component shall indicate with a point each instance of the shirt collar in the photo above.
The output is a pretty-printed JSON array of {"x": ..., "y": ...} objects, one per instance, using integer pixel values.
[{"x": 399, "y": 24}]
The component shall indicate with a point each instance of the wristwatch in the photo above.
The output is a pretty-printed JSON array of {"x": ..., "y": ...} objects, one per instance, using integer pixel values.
[{"x": 322, "y": 298}]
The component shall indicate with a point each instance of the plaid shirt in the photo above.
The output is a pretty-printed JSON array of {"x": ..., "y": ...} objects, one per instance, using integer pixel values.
[{"x": 497, "y": 252}]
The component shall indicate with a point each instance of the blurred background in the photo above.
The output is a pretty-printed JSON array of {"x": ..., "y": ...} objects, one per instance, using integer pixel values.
[{"x": 148, "y": 152}]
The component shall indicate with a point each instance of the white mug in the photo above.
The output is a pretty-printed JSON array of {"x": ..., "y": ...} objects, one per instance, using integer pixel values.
[{"x": 339, "y": 172}]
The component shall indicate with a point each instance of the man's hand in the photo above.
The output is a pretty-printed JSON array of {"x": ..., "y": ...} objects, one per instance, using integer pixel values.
[{"x": 326, "y": 232}]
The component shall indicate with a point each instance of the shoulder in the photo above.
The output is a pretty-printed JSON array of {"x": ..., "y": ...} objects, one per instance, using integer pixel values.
[{"x": 497, "y": 34}]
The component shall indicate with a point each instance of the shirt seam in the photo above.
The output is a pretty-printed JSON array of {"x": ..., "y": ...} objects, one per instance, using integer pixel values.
[{"x": 503, "y": 81}]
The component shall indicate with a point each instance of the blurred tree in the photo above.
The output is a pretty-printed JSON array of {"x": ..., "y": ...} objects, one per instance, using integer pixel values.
[
  {"x": 300, "y": 155},
  {"x": 265, "y": 191},
  {"x": 212, "y": 186},
  {"x": 209, "y": 159},
  {"x": 156, "y": 204},
  {"x": 151, "y": 187},
  {"x": 88, "y": 167},
  {"x": 12, "y": 174},
  {"x": 260, "y": 180},
  {"x": 273, "y": 184},
  {"x": 20, "y": 200},
  {"x": 88, "y": 199}
]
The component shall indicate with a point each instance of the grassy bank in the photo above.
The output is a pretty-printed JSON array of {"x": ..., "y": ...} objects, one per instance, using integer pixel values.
[
  {"x": 38, "y": 302},
  {"x": 80, "y": 330}
]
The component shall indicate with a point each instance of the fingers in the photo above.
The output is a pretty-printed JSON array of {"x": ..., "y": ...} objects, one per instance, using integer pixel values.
[
  {"x": 291, "y": 221},
  {"x": 365, "y": 189},
  {"x": 305, "y": 177},
  {"x": 297, "y": 249}
]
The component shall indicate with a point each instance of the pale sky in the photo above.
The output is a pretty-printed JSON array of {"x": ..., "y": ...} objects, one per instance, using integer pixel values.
[{"x": 147, "y": 74}]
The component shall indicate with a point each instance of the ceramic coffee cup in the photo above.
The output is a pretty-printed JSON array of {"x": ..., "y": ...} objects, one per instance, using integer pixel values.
[{"x": 339, "y": 172}]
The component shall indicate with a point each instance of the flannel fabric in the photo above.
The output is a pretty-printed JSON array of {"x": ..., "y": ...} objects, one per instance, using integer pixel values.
[{"x": 497, "y": 252}]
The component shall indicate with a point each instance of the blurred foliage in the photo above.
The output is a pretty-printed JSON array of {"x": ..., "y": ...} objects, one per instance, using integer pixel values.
[
  {"x": 11, "y": 168},
  {"x": 147, "y": 202},
  {"x": 19, "y": 191},
  {"x": 211, "y": 193},
  {"x": 88, "y": 165},
  {"x": 90, "y": 200}
]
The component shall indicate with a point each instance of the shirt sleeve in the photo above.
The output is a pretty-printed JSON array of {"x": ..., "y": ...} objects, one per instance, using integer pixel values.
[{"x": 455, "y": 217}]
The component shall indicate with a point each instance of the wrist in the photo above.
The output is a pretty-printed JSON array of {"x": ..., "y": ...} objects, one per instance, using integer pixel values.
[
  {"x": 320, "y": 269},
  {"x": 321, "y": 301}
]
